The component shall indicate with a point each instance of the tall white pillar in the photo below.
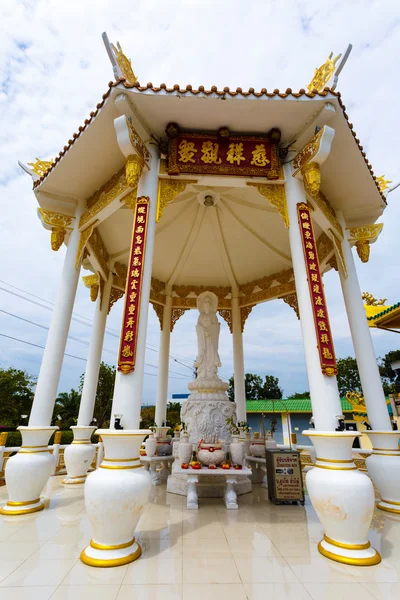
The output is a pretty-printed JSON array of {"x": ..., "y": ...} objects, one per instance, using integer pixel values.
[
  {"x": 163, "y": 363},
  {"x": 94, "y": 356},
  {"x": 323, "y": 389},
  {"x": 50, "y": 370},
  {"x": 238, "y": 361},
  {"x": 365, "y": 354},
  {"x": 129, "y": 386}
]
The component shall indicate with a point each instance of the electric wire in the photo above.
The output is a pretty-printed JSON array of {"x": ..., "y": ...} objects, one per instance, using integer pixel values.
[
  {"x": 85, "y": 342},
  {"x": 65, "y": 354}
]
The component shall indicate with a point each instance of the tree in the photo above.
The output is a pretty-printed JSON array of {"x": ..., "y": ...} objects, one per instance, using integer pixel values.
[
  {"x": 271, "y": 389},
  {"x": 104, "y": 394},
  {"x": 67, "y": 406},
  {"x": 16, "y": 395},
  {"x": 174, "y": 414},
  {"x": 388, "y": 376},
  {"x": 299, "y": 395},
  {"x": 256, "y": 389},
  {"x": 348, "y": 377},
  {"x": 148, "y": 415}
]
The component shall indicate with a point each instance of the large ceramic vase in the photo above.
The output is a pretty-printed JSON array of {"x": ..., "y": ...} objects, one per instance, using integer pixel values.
[
  {"x": 384, "y": 468},
  {"x": 79, "y": 455},
  {"x": 185, "y": 449},
  {"x": 343, "y": 499},
  {"x": 115, "y": 495},
  {"x": 236, "y": 450},
  {"x": 28, "y": 471},
  {"x": 151, "y": 446}
]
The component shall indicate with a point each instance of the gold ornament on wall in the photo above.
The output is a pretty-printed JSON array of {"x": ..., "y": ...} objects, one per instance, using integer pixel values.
[
  {"x": 307, "y": 153},
  {"x": 125, "y": 66},
  {"x": 104, "y": 196},
  {"x": 383, "y": 183},
  {"x": 363, "y": 237},
  {"x": 323, "y": 74},
  {"x": 159, "y": 310},
  {"x": 370, "y": 300},
  {"x": 40, "y": 167},
  {"x": 168, "y": 190},
  {"x": 115, "y": 295},
  {"x": 176, "y": 314},
  {"x": 93, "y": 283},
  {"x": 275, "y": 194},
  {"x": 83, "y": 240},
  {"x": 59, "y": 224},
  {"x": 291, "y": 300},
  {"x": 226, "y": 314},
  {"x": 133, "y": 170},
  {"x": 244, "y": 313},
  {"x": 312, "y": 178}
]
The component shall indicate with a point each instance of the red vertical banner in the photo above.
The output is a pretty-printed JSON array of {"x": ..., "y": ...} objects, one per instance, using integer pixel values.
[
  {"x": 130, "y": 319},
  {"x": 318, "y": 302}
]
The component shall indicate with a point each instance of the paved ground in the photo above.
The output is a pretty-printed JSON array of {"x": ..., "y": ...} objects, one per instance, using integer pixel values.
[{"x": 260, "y": 552}]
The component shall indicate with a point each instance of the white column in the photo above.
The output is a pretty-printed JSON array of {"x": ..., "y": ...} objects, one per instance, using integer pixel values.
[
  {"x": 163, "y": 363},
  {"x": 50, "y": 370},
  {"x": 238, "y": 361},
  {"x": 323, "y": 389},
  {"x": 128, "y": 387},
  {"x": 365, "y": 354},
  {"x": 88, "y": 398}
]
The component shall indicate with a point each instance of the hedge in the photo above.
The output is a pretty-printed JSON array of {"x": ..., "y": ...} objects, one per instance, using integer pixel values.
[{"x": 14, "y": 438}]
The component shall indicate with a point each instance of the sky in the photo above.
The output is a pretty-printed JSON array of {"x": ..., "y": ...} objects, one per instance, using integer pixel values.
[{"x": 53, "y": 71}]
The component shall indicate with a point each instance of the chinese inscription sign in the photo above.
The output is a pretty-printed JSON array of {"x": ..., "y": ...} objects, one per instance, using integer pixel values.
[
  {"x": 321, "y": 319},
  {"x": 127, "y": 349},
  {"x": 209, "y": 154}
]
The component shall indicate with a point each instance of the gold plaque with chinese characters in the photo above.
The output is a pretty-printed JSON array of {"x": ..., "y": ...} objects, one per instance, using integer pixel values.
[{"x": 224, "y": 154}]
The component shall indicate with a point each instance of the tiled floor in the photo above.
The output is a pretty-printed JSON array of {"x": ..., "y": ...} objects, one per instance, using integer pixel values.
[{"x": 259, "y": 552}]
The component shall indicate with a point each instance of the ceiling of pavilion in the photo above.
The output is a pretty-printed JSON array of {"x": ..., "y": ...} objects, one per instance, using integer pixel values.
[{"x": 241, "y": 238}]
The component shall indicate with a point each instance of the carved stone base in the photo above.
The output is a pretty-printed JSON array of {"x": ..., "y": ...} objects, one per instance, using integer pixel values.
[
  {"x": 206, "y": 419},
  {"x": 208, "y": 487}
]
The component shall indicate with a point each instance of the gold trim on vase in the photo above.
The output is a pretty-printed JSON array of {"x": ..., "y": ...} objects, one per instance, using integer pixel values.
[
  {"x": 120, "y": 467},
  {"x": 33, "y": 451},
  {"x": 336, "y": 468},
  {"x": 66, "y": 482},
  {"x": 23, "y": 511},
  {"x": 387, "y": 449},
  {"x": 390, "y": 502},
  {"x": 358, "y": 562},
  {"x": 346, "y": 546},
  {"x": 41, "y": 446},
  {"x": 114, "y": 562},
  {"x": 328, "y": 434},
  {"x": 115, "y": 547},
  {"x": 387, "y": 454},
  {"x": 81, "y": 442},
  {"x": 395, "y": 511},
  {"x": 121, "y": 459},
  {"x": 9, "y": 503},
  {"x": 332, "y": 460}
]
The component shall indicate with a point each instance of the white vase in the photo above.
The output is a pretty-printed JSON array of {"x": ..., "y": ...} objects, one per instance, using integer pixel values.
[
  {"x": 79, "y": 455},
  {"x": 343, "y": 499},
  {"x": 28, "y": 471},
  {"x": 161, "y": 432},
  {"x": 151, "y": 445},
  {"x": 115, "y": 495},
  {"x": 384, "y": 468},
  {"x": 185, "y": 449},
  {"x": 245, "y": 438},
  {"x": 211, "y": 454},
  {"x": 270, "y": 444},
  {"x": 236, "y": 450},
  {"x": 164, "y": 446},
  {"x": 257, "y": 448}
]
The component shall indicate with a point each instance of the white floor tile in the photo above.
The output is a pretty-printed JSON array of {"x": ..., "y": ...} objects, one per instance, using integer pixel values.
[
  {"x": 264, "y": 570},
  {"x": 84, "y": 575},
  {"x": 276, "y": 591},
  {"x": 86, "y": 592},
  {"x": 210, "y": 570},
  {"x": 38, "y": 572},
  {"x": 28, "y": 593},
  {"x": 338, "y": 591},
  {"x": 154, "y": 571},
  {"x": 150, "y": 592},
  {"x": 219, "y": 591}
]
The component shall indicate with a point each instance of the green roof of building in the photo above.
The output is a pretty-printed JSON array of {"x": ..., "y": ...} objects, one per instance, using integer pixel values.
[{"x": 299, "y": 405}]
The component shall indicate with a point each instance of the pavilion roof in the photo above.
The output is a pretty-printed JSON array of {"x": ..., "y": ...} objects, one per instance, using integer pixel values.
[
  {"x": 388, "y": 317},
  {"x": 294, "y": 405},
  {"x": 213, "y": 92}
]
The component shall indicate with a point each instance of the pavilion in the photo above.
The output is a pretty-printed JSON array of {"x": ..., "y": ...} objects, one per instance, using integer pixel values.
[{"x": 167, "y": 192}]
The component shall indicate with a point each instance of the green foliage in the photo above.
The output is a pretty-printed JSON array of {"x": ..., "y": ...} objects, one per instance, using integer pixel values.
[
  {"x": 348, "y": 377},
  {"x": 388, "y": 376},
  {"x": 14, "y": 438},
  {"x": 16, "y": 395},
  {"x": 256, "y": 388},
  {"x": 148, "y": 414},
  {"x": 67, "y": 407},
  {"x": 299, "y": 396},
  {"x": 104, "y": 394}
]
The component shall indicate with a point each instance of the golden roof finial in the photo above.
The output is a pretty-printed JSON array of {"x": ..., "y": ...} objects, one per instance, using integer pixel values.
[
  {"x": 323, "y": 74},
  {"x": 124, "y": 64},
  {"x": 383, "y": 183},
  {"x": 355, "y": 398},
  {"x": 40, "y": 167},
  {"x": 371, "y": 301}
]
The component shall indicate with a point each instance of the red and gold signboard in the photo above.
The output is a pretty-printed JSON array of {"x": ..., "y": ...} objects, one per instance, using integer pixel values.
[
  {"x": 321, "y": 319},
  {"x": 219, "y": 154},
  {"x": 130, "y": 322}
]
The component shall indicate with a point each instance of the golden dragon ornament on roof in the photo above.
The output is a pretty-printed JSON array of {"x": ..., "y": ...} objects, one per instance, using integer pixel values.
[{"x": 323, "y": 74}]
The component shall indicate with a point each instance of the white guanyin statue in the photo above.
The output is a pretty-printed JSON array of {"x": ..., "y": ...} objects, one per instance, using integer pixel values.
[
  {"x": 207, "y": 328},
  {"x": 207, "y": 361}
]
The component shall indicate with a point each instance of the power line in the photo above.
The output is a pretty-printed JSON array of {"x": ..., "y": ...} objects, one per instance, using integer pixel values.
[
  {"x": 86, "y": 343},
  {"x": 70, "y": 355}
]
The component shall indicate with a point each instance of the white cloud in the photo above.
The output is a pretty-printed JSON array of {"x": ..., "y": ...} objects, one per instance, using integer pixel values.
[{"x": 54, "y": 69}]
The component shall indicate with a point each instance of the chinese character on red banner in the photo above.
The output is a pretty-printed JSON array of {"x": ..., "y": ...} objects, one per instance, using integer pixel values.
[
  {"x": 318, "y": 302},
  {"x": 130, "y": 320}
]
